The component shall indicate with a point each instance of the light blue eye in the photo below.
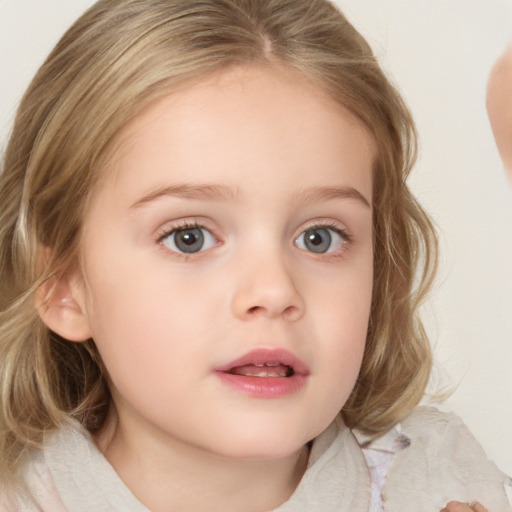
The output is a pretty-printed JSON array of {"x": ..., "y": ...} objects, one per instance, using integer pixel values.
[
  {"x": 189, "y": 240},
  {"x": 320, "y": 240}
]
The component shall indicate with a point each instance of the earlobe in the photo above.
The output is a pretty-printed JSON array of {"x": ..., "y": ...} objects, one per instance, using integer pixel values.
[{"x": 59, "y": 309}]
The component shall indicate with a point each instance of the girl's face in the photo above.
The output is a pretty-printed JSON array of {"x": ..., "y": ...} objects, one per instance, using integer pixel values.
[{"x": 228, "y": 264}]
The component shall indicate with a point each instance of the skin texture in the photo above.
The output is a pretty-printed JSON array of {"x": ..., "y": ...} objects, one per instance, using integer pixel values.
[
  {"x": 499, "y": 106},
  {"x": 265, "y": 143}
]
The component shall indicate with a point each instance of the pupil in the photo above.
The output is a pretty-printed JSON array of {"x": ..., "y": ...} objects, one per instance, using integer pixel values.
[
  {"x": 315, "y": 239},
  {"x": 189, "y": 240}
]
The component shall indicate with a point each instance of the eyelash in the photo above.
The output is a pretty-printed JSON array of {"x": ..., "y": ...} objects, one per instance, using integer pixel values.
[
  {"x": 345, "y": 235},
  {"x": 165, "y": 232}
]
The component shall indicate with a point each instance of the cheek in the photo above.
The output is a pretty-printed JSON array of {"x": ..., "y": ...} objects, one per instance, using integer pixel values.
[
  {"x": 149, "y": 345},
  {"x": 344, "y": 339},
  {"x": 343, "y": 316},
  {"x": 347, "y": 298},
  {"x": 340, "y": 351},
  {"x": 143, "y": 323}
]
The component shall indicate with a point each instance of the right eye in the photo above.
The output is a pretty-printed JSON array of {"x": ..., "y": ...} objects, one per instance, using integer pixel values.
[{"x": 189, "y": 240}]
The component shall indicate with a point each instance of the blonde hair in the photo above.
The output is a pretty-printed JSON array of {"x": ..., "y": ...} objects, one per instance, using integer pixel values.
[{"x": 116, "y": 59}]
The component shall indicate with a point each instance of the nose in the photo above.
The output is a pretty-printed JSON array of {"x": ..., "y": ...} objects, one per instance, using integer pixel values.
[{"x": 267, "y": 288}]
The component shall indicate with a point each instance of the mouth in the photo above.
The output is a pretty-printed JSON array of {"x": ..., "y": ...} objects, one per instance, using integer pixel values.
[
  {"x": 265, "y": 373},
  {"x": 266, "y": 363}
]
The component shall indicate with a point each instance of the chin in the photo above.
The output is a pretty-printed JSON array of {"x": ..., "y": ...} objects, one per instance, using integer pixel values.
[
  {"x": 264, "y": 452},
  {"x": 264, "y": 444}
]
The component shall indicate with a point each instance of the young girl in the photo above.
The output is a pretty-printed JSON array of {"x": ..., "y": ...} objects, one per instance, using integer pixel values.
[{"x": 208, "y": 264}]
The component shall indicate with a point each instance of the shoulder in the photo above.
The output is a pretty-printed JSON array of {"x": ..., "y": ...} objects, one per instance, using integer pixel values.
[
  {"x": 448, "y": 441},
  {"x": 43, "y": 494},
  {"x": 441, "y": 428},
  {"x": 35, "y": 491},
  {"x": 443, "y": 462}
]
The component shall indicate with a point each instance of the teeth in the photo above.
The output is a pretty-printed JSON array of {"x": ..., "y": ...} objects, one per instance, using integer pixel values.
[
  {"x": 266, "y": 374},
  {"x": 263, "y": 370}
]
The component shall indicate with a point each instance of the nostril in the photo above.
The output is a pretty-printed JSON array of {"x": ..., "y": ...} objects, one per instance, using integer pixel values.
[{"x": 290, "y": 312}]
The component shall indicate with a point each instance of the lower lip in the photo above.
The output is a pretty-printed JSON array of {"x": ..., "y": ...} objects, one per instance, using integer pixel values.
[{"x": 264, "y": 387}]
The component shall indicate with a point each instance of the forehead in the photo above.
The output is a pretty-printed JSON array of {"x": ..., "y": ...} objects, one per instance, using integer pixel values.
[{"x": 240, "y": 121}]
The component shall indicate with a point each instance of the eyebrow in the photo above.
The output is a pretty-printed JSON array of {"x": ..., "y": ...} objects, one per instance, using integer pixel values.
[
  {"x": 326, "y": 193},
  {"x": 186, "y": 191},
  {"x": 226, "y": 192}
]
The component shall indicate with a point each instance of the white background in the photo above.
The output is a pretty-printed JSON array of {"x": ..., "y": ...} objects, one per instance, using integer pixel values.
[{"x": 439, "y": 52}]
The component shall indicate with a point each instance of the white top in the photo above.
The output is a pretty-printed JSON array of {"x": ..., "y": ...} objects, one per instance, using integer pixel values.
[{"x": 421, "y": 465}]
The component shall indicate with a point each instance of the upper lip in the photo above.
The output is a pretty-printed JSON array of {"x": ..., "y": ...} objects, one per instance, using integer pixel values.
[{"x": 266, "y": 356}]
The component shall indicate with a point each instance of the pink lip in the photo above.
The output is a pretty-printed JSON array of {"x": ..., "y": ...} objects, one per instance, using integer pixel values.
[{"x": 265, "y": 387}]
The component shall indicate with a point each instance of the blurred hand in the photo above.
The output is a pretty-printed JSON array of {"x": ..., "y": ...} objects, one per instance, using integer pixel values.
[
  {"x": 457, "y": 506},
  {"x": 499, "y": 106}
]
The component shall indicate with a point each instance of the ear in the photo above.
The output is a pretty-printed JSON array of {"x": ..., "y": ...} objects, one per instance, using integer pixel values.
[{"x": 60, "y": 307}]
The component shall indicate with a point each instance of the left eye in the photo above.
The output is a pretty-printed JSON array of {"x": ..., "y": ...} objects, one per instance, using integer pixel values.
[
  {"x": 189, "y": 240},
  {"x": 320, "y": 240}
]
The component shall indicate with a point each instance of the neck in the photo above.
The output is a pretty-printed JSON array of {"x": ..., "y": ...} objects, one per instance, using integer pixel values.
[{"x": 167, "y": 476}]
